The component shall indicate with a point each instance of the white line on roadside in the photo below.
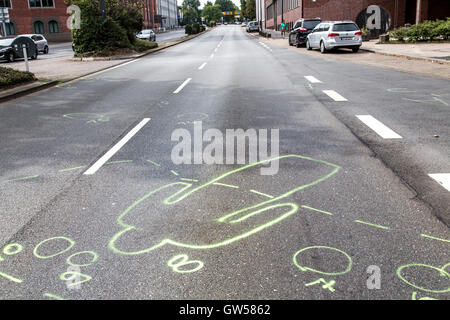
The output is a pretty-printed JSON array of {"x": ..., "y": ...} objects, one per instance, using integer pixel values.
[
  {"x": 215, "y": 50},
  {"x": 377, "y": 126},
  {"x": 212, "y": 55},
  {"x": 100, "y": 162},
  {"x": 442, "y": 178},
  {"x": 182, "y": 85},
  {"x": 313, "y": 79},
  {"x": 334, "y": 95},
  {"x": 202, "y": 66}
]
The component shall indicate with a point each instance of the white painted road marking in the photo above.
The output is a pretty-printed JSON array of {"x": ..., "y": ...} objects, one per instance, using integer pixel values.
[
  {"x": 334, "y": 95},
  {"x": 202, "y": 66},
  {"x": 442, "y": 178},
  {"x": 313, "y": 79},
  {"x": 215, "y": 50},
  {"x": 212, "y": 55},
  {"x": 182, "y": 85},
  {"x": 378, "y": 127},
  {"x": 100, "y": 162}
]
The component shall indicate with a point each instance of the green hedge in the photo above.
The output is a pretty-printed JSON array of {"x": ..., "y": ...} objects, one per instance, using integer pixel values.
[
  {"x": 9, "y": 77},
  {"x": 426, "y": 31},
  {"x": 143, "y": 45},
  {"x": 193, "y": 28}
]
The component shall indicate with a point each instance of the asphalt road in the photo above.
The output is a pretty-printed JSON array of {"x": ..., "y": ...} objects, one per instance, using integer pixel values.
[{"x": 345, "y": 201}]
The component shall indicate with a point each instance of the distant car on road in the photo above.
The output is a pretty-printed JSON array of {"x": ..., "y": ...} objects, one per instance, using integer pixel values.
[
  {"x": 225, "y": 23},
  {"x": 146, "y": 34},
  {"x": 243, "y": 24},
  {"x": 253, "y": 26},
  {"x": 41, "y": 42},
  {"x": 12, "y": 48},
  {"x": 302, "y": 28},
  {"x": 335, "y": 34}
]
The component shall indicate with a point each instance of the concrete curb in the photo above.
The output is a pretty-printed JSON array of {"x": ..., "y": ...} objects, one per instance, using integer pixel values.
[
  {"x": 432, "y": 60},
  {"x": 26, "y": 89}
]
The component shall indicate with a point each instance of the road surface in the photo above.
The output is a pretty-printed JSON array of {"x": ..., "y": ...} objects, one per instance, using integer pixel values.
[{"x": 93, "y": 206}]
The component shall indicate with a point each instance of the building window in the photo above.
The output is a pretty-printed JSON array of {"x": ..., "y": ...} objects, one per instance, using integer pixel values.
[
  {"x": 38, "y": 27},
  {"x": 53, "y": 26},
  {"x": 5, "y": 3},
  {"x": 10, "y": 29},
  {"x": 41, "y": 3}
]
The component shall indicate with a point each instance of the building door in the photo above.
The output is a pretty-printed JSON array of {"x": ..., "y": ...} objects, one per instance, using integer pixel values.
[{"x": 410, "y": 11}]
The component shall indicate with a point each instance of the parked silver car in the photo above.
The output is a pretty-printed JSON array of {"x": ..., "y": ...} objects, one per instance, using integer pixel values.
[
  {"x": 253, "y": 26},
  {"x": 147, "y": 34},
  {"x": 41, "y": 42},
  {"x": 335, "y": 34}
]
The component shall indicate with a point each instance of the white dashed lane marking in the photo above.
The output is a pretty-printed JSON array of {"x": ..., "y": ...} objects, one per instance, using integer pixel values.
[
  {"x": 377, "y": 126},
  {"x": 202, "y": 66},
  {"x": 442, "y": 178},
  {"x": 334, "y": 95},
  {"x": 313, "y": 79},
  {"x": 182, "y": 85}
]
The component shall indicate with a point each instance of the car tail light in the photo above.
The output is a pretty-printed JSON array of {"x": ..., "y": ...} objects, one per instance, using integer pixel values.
[
  {"x": 332, "y": 34},
  {"x": 359, "y": 33},
  {"x": 302, "y": 29}
]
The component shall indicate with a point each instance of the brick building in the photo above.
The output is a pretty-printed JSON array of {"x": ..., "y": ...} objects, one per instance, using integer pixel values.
[
  {"x": 382, "y": 14},
  {"x": 46, "y": 17}
]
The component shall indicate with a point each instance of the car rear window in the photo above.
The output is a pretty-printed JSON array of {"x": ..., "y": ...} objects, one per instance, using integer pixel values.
[
  {"x": 310, "y": 24},
  {"x": 345, "y": 27}
]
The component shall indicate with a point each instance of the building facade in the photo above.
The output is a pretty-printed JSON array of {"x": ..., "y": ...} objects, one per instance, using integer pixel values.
[
  {"x": 376, "y": 15},
  {"x": 47, "y": 17},
  {"x": 167, "y": 13}
]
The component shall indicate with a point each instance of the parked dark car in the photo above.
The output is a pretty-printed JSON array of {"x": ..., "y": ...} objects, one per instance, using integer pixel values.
[
  {"x": 12, "y": 48},
  {"x": 300, "y": 31}
]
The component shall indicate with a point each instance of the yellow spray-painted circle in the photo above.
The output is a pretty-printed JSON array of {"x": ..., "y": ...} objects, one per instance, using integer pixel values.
[
  {"x": 93, "y": 259},
  {"x": 13, "y": 248},
  {"x": 303, "y": 268},
  {"x": 441, "y": 271},
  {"x": 183, "y": 260},
  {"x": 70, "y": 241}
]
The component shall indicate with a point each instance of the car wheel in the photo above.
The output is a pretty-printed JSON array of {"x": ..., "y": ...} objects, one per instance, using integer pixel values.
[
  {"x": 322, "y": 47},
  {"x": 290, "y": 43},
  {"x": 11, "y": 57},
  {"x": 308, "y": 46},
  {"x": 297, "y": 44},
  {"x": 46, "y": 50},
  {"x": 355, "y": 49}
]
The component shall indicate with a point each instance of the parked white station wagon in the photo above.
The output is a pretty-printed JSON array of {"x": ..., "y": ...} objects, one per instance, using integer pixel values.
[{"x": 335, "y": 34}]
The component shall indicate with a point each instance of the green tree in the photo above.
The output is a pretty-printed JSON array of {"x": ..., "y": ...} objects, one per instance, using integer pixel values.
[
  {"x": 251, "y": 9},
  {"x": 212, "y": 13},
  {"x": 190, "y": 15},
  {"x": 225, "y": 5}
]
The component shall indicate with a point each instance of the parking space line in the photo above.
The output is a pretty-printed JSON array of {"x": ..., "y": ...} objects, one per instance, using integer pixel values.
[
  {"x": 202, "y": 66},
  {"x": 442, "y": 178},
  {"x": 334, "y": 95},
  {"x": 313, "y": 79},
  {"x": 182, "y": 85},
  {"x": 377, "y": 126},
  {"x": 100, "y": 162}
]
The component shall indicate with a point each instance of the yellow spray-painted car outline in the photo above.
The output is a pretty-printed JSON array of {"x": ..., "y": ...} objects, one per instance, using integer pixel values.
[{"x": 254, "y": 209}]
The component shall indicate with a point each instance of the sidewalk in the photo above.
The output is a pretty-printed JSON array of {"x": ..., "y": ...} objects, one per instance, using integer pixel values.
[
  {"x": 428, "y": 51},
  {"x": 417, "y": 61}
]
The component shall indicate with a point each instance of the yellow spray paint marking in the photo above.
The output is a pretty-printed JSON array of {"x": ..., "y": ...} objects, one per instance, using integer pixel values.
[
  {"x": 262, "y": 194},
  {"x": 187, "y": 190},
  {"x": 191, "y": 180},
  {"x": 174, "y": 172},
  {"x": 442, "y": 272},
  {"x": 10, "y": 278},
  {"x": 53, "y": 296},
  {"x": 372, "y": 224},
  {"x": 225, "y": 185},
  {"x": 118, "y": 161},
  {"x": 434, "y": 238},
  {"x": 317, "y": 210},
  {"x": 9, "y": 250},
  {"x": 36, "y": 249},
  {"x": 154, "y": 163},
  {"x": 304, "y": 268},
  {"x": 182, "y": 260},
  {"x": 73, "y": 275},
  {"x": 20, "y": 179},
  {"x": 414, "y": 295},
  {"x": 326, "y": 285},
  {"x": 94, "y": 257},
  {"x": 72, "y": 169}
]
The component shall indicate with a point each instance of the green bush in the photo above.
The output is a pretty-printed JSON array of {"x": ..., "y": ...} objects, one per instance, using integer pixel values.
[
  {"x": 443, "y": 29},
  {"x": 117, "y": 32},
  {"x": 143, "y": 45},
  {"x": 399, "y": 33},
  {"x": 195, "y": 28},
  {"x": 188, "y": 29},
  {"x": 9, "y": 77},
  {"x": 426, "y": 31}
]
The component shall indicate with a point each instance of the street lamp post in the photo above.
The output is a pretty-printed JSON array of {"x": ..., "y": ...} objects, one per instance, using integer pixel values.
[{"x": 102, "y": 8}]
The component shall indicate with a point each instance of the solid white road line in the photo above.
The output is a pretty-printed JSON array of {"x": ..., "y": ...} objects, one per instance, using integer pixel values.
[
  {"x": 313, "y": 79},
  {"x": 334, "y": 95},
  {"x": 378, "y": 127},
  {"x": 202, "y": 66},
  {"x": 442, "y": 178},
  {"x": 182, "y": 85},
  {"x": 212, "y": 55},
  {"x": 100, "y": 162}
]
